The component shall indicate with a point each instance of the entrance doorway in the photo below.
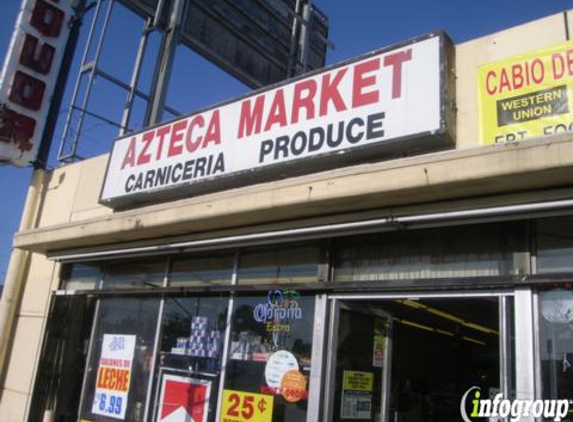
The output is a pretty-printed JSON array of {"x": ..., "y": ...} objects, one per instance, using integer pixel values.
[{"x": 412, "y": 359}]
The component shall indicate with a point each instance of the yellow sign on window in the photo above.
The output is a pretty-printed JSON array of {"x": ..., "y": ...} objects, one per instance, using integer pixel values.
[
  {"x": 358, "y": 381},
  {"x": 240, "y": 406},
  {"x": 526, "y": 96}
]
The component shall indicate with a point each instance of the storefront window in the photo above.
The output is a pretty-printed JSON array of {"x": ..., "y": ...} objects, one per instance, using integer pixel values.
[
  {"x": 465, "y": 251},
  {"x": 297, "y": 264},
  {"x": 190, "y": 358},
  {"x": 202, "y": 270},
  {"x": 269, "y": 358},
  {"x": 556, "y": 343},
  {"x": 555, "y": 245},
  {"x": 134, "y": 274},
  {"x": 81, "y": 277},
  {"x": 121, "y": 358}
]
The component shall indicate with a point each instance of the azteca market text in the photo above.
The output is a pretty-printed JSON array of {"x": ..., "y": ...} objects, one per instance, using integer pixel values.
[{"x": 302, "y": 143}]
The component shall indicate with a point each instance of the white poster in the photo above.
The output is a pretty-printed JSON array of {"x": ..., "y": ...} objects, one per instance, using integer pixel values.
[
  {"x": 392, "y": 94},
  {"x": 114, "y": 375}
]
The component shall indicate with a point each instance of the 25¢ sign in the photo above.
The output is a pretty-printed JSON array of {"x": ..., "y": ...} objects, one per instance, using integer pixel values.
[{"x": 240, "y": 406}]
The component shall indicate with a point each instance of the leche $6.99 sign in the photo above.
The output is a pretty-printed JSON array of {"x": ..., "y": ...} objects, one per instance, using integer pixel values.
[
  {"x": 114, "y": 376},
  {"x": 388, "y": 99}
]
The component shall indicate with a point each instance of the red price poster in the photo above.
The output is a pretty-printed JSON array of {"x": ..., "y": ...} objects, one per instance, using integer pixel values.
[
  {"x": 183, "y": 399},
  {"x": 239, "y": 406}
]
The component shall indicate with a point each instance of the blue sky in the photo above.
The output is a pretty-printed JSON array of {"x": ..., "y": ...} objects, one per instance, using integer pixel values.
[{"x": 356, "y": 27}]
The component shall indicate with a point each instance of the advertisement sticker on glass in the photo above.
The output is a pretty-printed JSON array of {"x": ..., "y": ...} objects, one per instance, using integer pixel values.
[
  {"x": 183, "y": 399},
  {"x": 114, "y": 376},
  {"x": 242, "y": 406},
  {"x": 357, "y": 392}
]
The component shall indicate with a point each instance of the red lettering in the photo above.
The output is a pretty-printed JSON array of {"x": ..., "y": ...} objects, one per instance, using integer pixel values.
[
  {"x": 251, "y": 118},
  {"x": 570, "y": 62},
  {"x": 177, "y": 134},
  {"x": 396, "y": 60},
  {"x": 101, "y": 373},
  {"x": 330, "y": 93},
  {"x": 504, "y": 81},
  {"x": 277, "y": 114},
  {"x": 47, "y": 19},
  {"x": 112, "y": 378},
  {"x": 17, "y": 128},
  {"x": 517, "y": 76},
  {"x": 129, "y": 158},
  {"x": 490, "y": 90},
  {"x": 557, "y": 65},
  {"x": 106, "y": 377},
  {"x": 537, "y": 64},
  {"x": 190, "y": 145},
  {"x": 27, "y": 91},
  {"x": 303, "y": 97},
  {"x": 360, "y": 82},
  {"x": 37, "y": 59},
  {"x": 162, "y": 132},
  {"x": 213, "y": 131},
  {"x": 144, "y": 157}
]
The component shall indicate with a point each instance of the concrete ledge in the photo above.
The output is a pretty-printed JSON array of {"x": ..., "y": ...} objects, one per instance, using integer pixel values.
[{"x": 447, "y": 175}]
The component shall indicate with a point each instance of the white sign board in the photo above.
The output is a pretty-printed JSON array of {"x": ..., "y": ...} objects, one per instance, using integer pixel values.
[
  {"x": 367, "y": 103},
  {"x": 114, "y": 376},
  {"x": 29, "y": 76}
]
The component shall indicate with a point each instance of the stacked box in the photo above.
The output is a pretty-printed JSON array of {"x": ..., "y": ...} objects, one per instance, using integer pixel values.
[{"x": 201, "y": 343}]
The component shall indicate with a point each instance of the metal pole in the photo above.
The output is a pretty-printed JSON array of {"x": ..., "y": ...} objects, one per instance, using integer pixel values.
[
  {"x": 68, "y": 122},
  {"x": 332, "y": 346},
  {"x": 524, "y": 346},
  {"x": 164, "y": 65},
  {"x": 156, "y": 343},
  {"x": 91, "y": 78},
  {"x": 227, "y": 340},
  {"x": 135, "y": 78},
  {"x": 90, "y": 353},
  {"x": 304, "y": 36},
  {"x": 319, "y": 353},
  {"x": 293, "y": 39}
]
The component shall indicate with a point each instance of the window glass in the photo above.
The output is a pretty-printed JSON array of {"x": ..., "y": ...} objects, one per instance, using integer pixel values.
[
  {"x": 298, "y": 264},
  {"x": 121, "y": 359},
  {"x": 464, "y": 251},
  {"x": 555, "y": 245},
  {"x": 81, "y": 277},
  {"x": 413, "y": 359},
  {"x": 556, "y": 343},
  {"x": 202, "y": 270},
  {"x": 269, "y": 357},
  {"x": 191, "y": 351},
  {"x": 134, "y": 274}
]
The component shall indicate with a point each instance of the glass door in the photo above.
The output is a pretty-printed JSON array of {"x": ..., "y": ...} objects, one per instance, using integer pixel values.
[{"x": 412, "y": 359}]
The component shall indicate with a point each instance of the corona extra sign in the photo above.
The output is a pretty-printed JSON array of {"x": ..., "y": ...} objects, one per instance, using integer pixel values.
[{"x": 29, "y": 76}]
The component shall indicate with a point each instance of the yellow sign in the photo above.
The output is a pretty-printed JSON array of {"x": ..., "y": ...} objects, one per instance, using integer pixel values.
[
  {"x": 526, "y": 96},
  {"x": 358, "y": 381},
  {"x": 240, "y": 406}
]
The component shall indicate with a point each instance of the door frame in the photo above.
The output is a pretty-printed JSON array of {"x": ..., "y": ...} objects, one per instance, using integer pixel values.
[{"x": 522, "y": 379}]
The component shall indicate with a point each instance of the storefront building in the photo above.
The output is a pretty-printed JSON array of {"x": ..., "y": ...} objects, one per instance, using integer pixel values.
[{"x": 378, "y": 288}]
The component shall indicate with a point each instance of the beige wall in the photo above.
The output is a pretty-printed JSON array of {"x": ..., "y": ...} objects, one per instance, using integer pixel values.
[{"x": 70, "y": 215}]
